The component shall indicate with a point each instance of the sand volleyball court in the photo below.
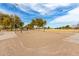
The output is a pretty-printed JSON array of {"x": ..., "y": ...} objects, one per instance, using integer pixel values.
[{"x": 33, "y": 43}]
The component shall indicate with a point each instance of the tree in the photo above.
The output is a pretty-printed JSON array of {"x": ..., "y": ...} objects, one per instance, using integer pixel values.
[
  {"x": 64, "y": 27},
  {"x": 29, "y": 26},
  {"x": 67, "y": 27},
  {"x": 21, "y": 26},
  {"x": 48, "y": 27},
  {"x": 17, "y": 21},
  {"x": 5, "y": 21},
  {"x": 39, "y": 22},
  {"x": 10, "y": 21},
  {"x": 44, "y": 23}
]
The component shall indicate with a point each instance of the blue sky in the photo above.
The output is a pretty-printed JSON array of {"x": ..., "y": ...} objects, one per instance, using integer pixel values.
[{"x": 56, "y": 14}]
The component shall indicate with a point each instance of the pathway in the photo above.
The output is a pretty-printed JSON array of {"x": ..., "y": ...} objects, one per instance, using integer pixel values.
[
  {"x": 7, "y": 35},
  {"x": 74, "y": 38}
]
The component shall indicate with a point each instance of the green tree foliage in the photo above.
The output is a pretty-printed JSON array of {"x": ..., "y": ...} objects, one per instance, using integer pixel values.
[
  {"x": 38, "y": 22},
  {"x": 10, "y": 21},
  {"x": 65, "y": 27},
  {"x": 29, "y": 26},
  {"x": 21, "y": 24},
  {"x": 48, "y": 27}
]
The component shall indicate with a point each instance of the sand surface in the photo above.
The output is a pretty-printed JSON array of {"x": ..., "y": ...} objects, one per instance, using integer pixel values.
[{"x": 33, "y": 43}]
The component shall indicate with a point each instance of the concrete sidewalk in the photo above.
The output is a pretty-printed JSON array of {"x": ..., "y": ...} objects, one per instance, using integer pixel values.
[
  {"x": 7, "y": 35},
  {"x": 74, "y": 38}
]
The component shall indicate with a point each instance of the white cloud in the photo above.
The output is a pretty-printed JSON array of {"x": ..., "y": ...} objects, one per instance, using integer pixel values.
[
  {"x": 5, "y": 12},
  {"x": 43, "y": 9},
  {"x": 71, "y": 19}
]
